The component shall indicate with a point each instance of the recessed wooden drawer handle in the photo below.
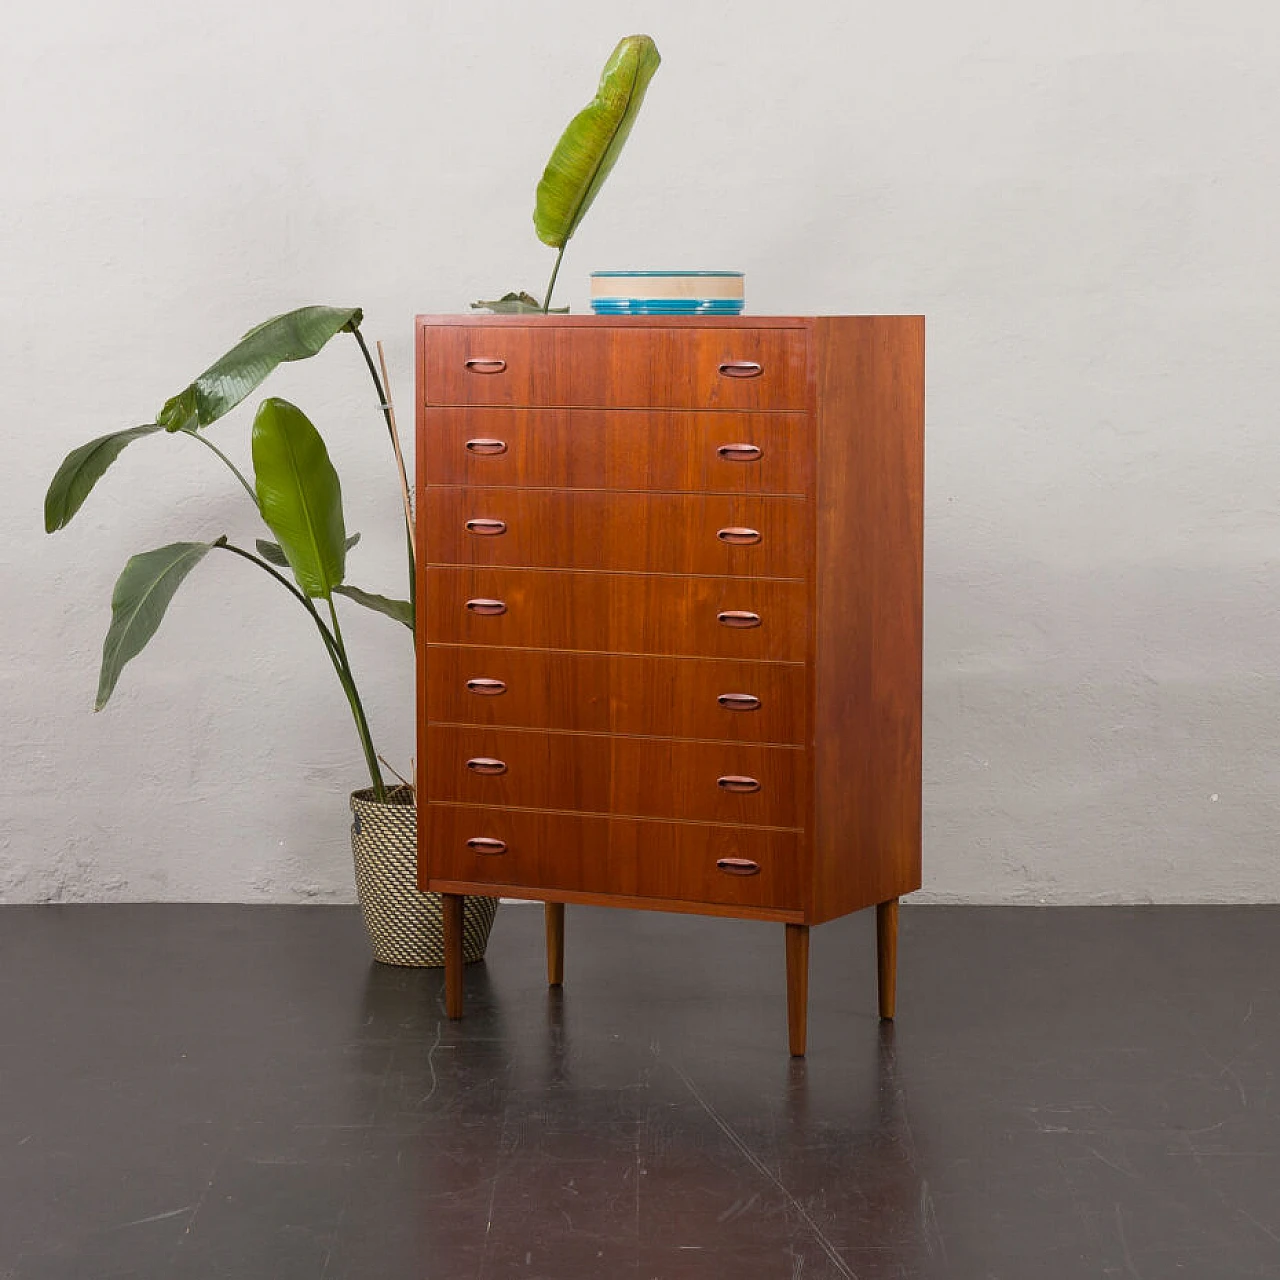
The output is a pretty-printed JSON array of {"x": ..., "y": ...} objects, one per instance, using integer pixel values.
[
  {"x": 486, "y": 844},
  {"x": 486, "y": 765},
  {"x": 738, "y": 866},
  {"x": 741, "y": 369},
  {"x": 487, "y": 528},
  {"x": 486, "y": 687},
  {"x": 739, "y": 536},
  {"x": 487, "y": 608},
  {"x": 486, "y": 447},
  {"x": 739, "y": 701},
  {"x": 737, "y": 783},
  {"x": 738, "y": 618},
  {"x": 482, "y": 365},
  {"x": 736, "y": 452}
]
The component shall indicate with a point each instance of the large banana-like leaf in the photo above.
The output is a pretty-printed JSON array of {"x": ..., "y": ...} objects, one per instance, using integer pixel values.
[
  {"x": 138, "y": 603},
  {"x": 589, "y": 147},
  {"x": 399, "y": 610},
  {"x": 513, "y": 304},
  {"x": 300, "y": 496},
  {"x": 81, "y": 469},
  {"x": 273, "y": 552},
  {"x": 293, "y": 336},
  {"x": 296, "y": 335}
]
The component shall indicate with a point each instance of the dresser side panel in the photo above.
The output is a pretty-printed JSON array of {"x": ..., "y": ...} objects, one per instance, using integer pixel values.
[
  {"x": 869, "y": 624},
  {"x": 420, "y": 455}
]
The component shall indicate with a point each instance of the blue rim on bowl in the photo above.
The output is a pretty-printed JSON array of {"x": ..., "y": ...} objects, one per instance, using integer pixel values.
[{"x": 667, "y": 306}]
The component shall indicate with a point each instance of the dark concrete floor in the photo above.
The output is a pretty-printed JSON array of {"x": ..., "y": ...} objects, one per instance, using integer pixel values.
[{"x": 215, "y": 1091}]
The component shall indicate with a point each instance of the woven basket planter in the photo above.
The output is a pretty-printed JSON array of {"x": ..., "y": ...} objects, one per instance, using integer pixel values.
[{"x": 406, "y": 926}]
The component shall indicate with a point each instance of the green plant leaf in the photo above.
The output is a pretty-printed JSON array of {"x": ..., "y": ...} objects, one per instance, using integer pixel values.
[
  {"x": 589, "y": 147},
  {"x": 273, "y": 552},
  {"x": 81, "y": 469},
  {"x": 296, "y": 335},
  {"x": 300, "y": 496},
  {"x": 180, "y": 412},
  {"x": 516, "y": 304},
  {"x": 138, "y": 603},
  {"x": 400, "y": 610}
]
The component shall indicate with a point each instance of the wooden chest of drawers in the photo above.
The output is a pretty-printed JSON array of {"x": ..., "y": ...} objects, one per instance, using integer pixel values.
[{"x": 669, "y": 619}]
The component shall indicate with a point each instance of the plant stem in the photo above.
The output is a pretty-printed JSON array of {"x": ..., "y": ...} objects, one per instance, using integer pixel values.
[
  {"x": 208, "y": 444},
  {"x": 357, "y": 710},
  {"x": 555, "y": 271},
  {"x": 337, "y": 655},
  {"x": 409, "y": 533},
  {"x": 388, "y": 413},
  {"x": 395, "y": 447},
  {"x": 286, "y": 584}
]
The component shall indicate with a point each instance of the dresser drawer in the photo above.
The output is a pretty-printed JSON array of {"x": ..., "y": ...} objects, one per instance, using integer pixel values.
[
  {"x": 604, "y": 366},
  {"x": 628, "y": 857},
  {"x": 619, "y": 532},
  {"x": 617, "y": 613},
  {"x": 629, "y": 777},
  {"x": 671, "y": 450},
  {"x": 602, "y": 693}
]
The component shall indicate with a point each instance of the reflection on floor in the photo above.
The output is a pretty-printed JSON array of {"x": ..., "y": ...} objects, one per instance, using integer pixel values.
[{"x": 198, "y": 1091}]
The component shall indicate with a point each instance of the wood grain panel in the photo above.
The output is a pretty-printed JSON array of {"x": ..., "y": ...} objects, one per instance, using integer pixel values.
[
  {"x": 608, "y": 366},
  {"x": 617, "y": 613},
  {"x": 620, "y": 449},
  {"x": 627, "y": 777},
  {"x": 602, "y": 693},
  {"x": 612, "y": 856},
  {"x": 869, "y": 610},
  {"x": 618, "y": 532},
  {"x": 619, "y": 641}
]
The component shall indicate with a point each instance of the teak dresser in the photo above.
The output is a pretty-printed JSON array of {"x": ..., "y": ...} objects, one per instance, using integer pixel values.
[{"x": 669, "y": 620}]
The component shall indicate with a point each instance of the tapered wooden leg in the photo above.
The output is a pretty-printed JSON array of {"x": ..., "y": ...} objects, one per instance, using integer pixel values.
[
  {"x": 887, "y": 955},
  {"x": 453, "y": 903},
  {"x": 555, "y": 944},
  {"x": 797, "y": 986}
]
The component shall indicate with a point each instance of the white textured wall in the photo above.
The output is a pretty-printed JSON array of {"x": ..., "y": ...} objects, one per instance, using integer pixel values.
[{"x": 1081, "y": 195}]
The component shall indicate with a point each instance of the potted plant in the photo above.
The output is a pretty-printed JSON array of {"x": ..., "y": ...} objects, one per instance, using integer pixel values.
[
  {"x": 583, "y": 158},
  {"x": 296, "y": 492}
]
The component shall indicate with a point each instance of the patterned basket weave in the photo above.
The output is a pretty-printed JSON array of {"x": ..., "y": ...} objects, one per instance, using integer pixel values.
[{"x": 406, "y": 926}]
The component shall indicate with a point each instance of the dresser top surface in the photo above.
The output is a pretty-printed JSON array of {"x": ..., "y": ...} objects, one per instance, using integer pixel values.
[{"x": 640, "y": 322}]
